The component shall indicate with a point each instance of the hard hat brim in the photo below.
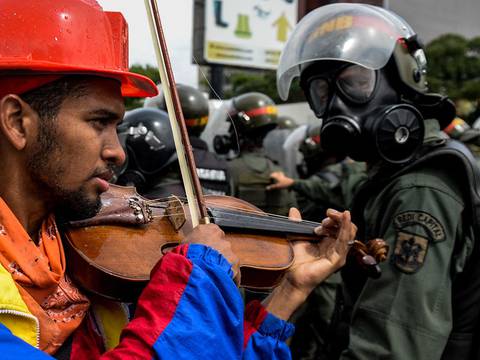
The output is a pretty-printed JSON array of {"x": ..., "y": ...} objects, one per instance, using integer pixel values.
[{"x": 132, "y": 84}]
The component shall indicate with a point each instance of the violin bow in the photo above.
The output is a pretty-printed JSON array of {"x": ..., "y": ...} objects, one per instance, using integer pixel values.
[{"x": 193, "y": 189}]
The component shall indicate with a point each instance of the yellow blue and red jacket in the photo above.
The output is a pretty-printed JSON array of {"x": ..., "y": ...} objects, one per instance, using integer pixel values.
[{"x": 190, "y": 309}]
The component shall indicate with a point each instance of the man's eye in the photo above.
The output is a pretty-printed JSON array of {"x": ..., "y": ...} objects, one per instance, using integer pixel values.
[{"x": 100, "y": 123}]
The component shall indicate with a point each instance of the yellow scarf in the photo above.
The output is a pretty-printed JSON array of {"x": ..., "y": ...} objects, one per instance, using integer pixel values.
[{"x": 39, "y": 273}]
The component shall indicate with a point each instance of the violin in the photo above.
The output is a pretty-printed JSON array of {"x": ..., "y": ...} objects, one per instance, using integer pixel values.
[{"x": 113, "y": 253}]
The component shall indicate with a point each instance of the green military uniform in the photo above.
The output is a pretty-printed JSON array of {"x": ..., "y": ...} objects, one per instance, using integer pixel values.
[
  {"x": 407, "y": 313},
  {"x": 333, "y": 187},
  {"x": 313, "y": 320},
  {"x": 314, "y": 195},
  {"x": 250, "y": 173},
  {"x": 419, "y": 214}
]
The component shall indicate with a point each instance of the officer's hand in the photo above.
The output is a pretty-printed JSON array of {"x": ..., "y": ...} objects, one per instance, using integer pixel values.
[
  {"x": 211, "y": 235},
  {"x": 281, "y": 181}
]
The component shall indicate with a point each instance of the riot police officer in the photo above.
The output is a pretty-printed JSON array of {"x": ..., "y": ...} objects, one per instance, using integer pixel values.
[
  {"x": 326, "y": 181},
  {"x": 315, "y": 158},
  {"x": 211, "y": 169},
  {"x": 253, "y": 115},
  {"x": 146, "y": 136},
  {"x": 274, "y": 141},
  {"x": 363, "y": 71}
]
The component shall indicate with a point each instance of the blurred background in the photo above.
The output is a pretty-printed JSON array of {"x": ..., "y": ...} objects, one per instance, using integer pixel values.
[{"x": 228, "y": 47}]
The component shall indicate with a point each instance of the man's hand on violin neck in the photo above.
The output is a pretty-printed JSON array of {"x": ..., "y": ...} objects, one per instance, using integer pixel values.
[
  {"x": 211, "y": 235},
  {"x": 314, "y": 262}
]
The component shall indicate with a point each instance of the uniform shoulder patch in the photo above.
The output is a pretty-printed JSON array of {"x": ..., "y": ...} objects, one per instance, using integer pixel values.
[
  {"x": 432, "y": 226},
  {"x": 410, "y": 251}
]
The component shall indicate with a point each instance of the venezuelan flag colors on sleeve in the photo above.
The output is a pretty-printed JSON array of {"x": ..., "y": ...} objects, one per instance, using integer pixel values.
[{"x": 191, "y": 309}]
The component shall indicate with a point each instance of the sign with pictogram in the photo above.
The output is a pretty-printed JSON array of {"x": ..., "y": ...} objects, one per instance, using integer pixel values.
[{"x": 248, "y": 33}]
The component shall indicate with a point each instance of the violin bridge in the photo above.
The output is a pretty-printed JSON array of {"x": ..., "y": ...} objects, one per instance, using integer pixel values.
[{"x": 175, "y": 212}]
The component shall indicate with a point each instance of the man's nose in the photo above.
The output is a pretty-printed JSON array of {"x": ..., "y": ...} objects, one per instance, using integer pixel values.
[{"x": 113, "y": 151}]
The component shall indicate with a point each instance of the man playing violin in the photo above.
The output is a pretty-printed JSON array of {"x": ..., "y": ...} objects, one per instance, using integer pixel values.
[{"x": 63, "y": 77}]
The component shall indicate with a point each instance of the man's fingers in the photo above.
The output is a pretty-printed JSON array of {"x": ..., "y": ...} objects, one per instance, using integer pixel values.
[
  {"x": 331, "y": 223},
  {"x": 328, "y": 227},
  {"x": 334, "y": 214},
  {"x": 345, "y": 234}
]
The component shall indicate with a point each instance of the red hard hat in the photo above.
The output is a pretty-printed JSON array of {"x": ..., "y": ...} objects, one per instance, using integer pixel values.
[{"x": 42, "y": 40}]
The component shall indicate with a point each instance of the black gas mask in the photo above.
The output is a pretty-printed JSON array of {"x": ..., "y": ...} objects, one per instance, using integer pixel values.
[{"x": 363, "y": 116}]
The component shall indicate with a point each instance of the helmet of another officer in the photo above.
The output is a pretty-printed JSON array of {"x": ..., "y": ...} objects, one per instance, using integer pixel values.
[
  {"x": 148, "y": 140},
  {"x": 311, "y": 145},
  {"x": 286, "y": 122},
  {"x": 194, "y": 107},
  {"x": 253, "y": 112}
]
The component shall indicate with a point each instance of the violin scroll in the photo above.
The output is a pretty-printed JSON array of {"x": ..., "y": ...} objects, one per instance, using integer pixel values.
[
  {"x": 369, "y": 255},
  {"x": 378, "y": 248}
]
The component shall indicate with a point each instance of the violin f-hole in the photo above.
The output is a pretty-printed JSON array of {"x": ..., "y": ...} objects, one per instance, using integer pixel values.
[{"x": 166, "y": 248}]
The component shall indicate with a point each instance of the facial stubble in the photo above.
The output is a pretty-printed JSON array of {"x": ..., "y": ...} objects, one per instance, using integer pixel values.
[{"x": 47, "y": 171}]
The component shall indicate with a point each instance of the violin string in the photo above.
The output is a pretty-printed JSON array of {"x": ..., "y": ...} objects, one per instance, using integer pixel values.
[
  {"x": 159, "y": 200},
  {"x": 168, "y": 200},
  {"x": 247, "y": 216},
  {"x": 240, "y": 218},
  {"x": 272, "y": 219},
  {"x": 211, "y": 218},
  {"x": 260, "y": 213},
  {"x": 170, "y": 215},
  {"x": 265, "y": 217}
]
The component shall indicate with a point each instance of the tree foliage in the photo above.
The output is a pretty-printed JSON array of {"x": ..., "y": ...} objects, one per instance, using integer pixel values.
[
  {"x": 264, "y": 82},
  {"x": 454, "y": 66},
  {"x": 237, "y": 82}
]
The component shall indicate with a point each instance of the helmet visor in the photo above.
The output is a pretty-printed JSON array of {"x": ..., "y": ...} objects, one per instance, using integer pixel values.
[{"x": 354, "y": 33}]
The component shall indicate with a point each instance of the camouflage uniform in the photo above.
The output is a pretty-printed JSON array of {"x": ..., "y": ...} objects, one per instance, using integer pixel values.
[{"x": 332, "y": 187}]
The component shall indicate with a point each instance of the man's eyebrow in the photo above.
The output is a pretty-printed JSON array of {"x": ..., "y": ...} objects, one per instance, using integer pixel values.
[{"x": 105, "y": 113}]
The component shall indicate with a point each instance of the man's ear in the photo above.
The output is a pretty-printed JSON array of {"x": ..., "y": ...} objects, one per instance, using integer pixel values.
[{"x": 18, "y": 121}]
